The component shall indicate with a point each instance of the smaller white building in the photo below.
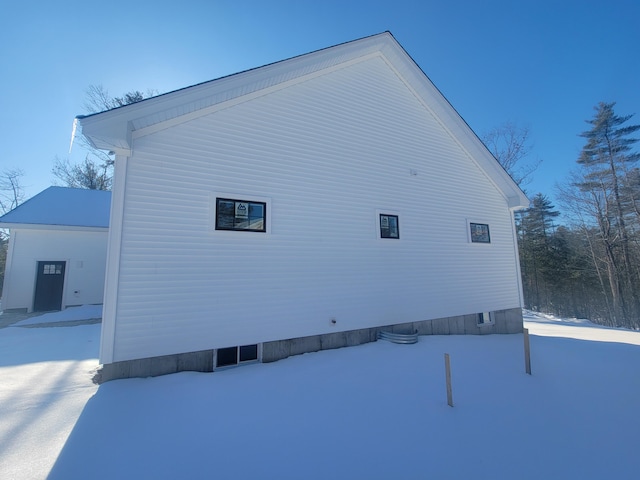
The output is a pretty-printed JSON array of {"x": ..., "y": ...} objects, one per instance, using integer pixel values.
[{"x": 57, "y": 250}]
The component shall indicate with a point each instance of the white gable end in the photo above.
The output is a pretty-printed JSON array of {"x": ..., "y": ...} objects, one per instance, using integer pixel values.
[
  {"x": 116, "y": 129},
  {"x": 327, "y": 152}
]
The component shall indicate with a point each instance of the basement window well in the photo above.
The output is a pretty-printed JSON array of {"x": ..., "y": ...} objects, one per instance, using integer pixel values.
[
  {"x": 226, "y": 357},
  {"x": 485, "y": 318}
]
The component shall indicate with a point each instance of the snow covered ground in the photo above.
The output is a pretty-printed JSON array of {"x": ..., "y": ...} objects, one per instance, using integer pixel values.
[
  {"x": 45, "y": 382},
  {"x": 72, "y": 314},
  {"x": 374, "y": 411}
]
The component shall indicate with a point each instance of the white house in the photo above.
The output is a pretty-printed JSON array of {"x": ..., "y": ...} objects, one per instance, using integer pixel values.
[
  {"x": 302, "y": 205},
  {"x": 57, "y": 250}
]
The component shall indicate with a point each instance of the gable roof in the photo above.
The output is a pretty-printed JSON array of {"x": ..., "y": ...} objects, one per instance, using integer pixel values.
[
  {"x": 116, "y": 129},
  {"x": 62, "y": 207}
]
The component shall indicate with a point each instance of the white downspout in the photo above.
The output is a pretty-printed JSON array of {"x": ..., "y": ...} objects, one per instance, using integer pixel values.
[{"x": 517, "y": 257}]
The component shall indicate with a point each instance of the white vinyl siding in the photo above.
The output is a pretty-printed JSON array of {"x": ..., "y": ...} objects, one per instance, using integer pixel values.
[{"x": 329, "y": 153}]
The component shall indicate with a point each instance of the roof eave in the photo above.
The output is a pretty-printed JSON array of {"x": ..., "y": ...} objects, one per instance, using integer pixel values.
[
  {"x": 44, "y": 226},
  {"x": 114, "y": 132},
  {"x": 113, "y": 129}
]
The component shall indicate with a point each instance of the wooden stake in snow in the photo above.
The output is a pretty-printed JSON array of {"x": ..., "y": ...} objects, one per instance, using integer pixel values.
[
  {"x": 447, "y": 368},
  {"x": 527, "y": 352}
]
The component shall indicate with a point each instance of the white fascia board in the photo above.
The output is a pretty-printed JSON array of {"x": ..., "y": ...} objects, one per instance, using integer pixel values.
[
  {"x": 518, "y": 203},
  {"x": 112, "y": 132},
  {"x": 114, "y": 129},
  {"x": 434, "y": 101},
  {"x": 40, "y": 226},
  {"x": 246, "y": 97}
]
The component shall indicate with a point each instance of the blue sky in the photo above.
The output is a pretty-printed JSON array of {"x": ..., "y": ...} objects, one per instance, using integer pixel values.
[{"x": 540, "y": 63}]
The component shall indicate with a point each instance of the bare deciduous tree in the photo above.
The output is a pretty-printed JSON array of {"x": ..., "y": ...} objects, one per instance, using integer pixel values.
[
  {"x": 11, "y": 195},
  {"x": 88, "y": 174},
  {"x": 98, "y": 98},
  {"x": 95, "y": 172},
  {"x": 603, "y": 194},
  {"x": 511, "y": 146},
  {"x": 11, "y": 191}
]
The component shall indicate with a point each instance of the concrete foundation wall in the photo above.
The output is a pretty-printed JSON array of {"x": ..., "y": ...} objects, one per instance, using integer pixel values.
[
  {"x": 152, "y": 367},
  {"x": 505, "y": 322}
]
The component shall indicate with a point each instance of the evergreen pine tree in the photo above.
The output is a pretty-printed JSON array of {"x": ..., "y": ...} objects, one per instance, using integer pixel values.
[{"x": 608, "y": 161}]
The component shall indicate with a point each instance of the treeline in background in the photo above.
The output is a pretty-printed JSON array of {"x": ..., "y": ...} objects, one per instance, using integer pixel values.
[{"x": 585, "y": 263}]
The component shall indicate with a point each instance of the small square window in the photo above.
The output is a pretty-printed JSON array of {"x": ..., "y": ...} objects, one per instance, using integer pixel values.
[
  {"x": 241, "y": 215},
  {"x": 389, "y": 227},
  {"x": 479, "y": 233}
]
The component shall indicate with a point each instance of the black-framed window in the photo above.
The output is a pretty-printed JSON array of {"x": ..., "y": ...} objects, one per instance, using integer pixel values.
[
  {"x": 480, "y": 233},
  {"x": 241, "y": 215},
  {"x": 389, "y": 226}
]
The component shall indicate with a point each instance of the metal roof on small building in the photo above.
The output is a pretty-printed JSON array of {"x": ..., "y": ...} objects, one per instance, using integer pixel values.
[{"x": 62, "y": 207}]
